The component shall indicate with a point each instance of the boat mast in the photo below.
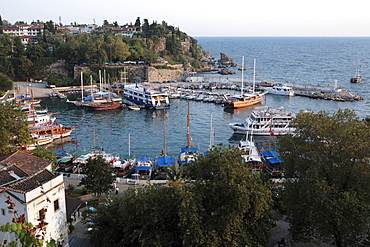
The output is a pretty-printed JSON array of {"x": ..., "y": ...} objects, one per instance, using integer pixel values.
[
  {"x": 92, "y": 90},
  {"x": 242, "y": 75},
  {"x": 164, "y": 140},
  {"x": 254, "y": 74},
  {"x": 188, "y": 122},
  {"x": 82, "y": 87},
  {"x": 211, "y": 134}
]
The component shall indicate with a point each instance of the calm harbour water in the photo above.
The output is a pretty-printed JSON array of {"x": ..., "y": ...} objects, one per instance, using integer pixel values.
[{"x": 302, "y": 60}]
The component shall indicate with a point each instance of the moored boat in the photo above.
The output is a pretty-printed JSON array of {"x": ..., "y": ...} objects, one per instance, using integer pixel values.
[
  {"x": 266, "y": 121},
  {"x": 250, "y": 154},
  {"x": 150, "y": 97},
  {"x": 244, "y": 99},
  {"x": 189, "y": 153},
  {"x": 273, "y": 164},
  {"x": 144, "y": 167},
  {"x": 280, "y": 89}
]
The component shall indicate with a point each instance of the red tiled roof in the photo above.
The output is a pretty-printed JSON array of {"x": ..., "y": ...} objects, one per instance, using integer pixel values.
[{"x": 26, "y": 162}]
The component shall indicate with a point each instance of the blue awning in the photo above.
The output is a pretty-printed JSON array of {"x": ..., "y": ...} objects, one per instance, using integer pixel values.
[
  {"x": 144, "y": 159},
  {"x": 191, "y": 150},
  {"x": 269, "y": 154},
  {"x": 275, "y": 160},
  {"x": 142, "y": 168},
  {"x": 165, "y": 161}
]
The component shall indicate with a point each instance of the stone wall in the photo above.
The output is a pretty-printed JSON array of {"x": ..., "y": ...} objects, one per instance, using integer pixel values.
[{"x": 142, "y": 73}]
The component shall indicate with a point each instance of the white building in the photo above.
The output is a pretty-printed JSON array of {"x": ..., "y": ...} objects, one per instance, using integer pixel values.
[{"x": 28, "y": 181}]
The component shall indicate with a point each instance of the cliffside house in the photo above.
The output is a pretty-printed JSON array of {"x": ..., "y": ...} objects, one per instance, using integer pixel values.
[{"x": 37, "y": 192}]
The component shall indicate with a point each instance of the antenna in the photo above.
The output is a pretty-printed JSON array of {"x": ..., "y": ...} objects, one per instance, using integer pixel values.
[{"x": 94, "y": 21}]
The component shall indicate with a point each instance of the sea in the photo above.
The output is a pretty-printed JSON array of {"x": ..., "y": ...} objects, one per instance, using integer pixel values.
[{"x": 310, "y": 60}]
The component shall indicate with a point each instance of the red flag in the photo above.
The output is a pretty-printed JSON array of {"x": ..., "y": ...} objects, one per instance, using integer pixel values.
[{"x": 271, "y": 133}]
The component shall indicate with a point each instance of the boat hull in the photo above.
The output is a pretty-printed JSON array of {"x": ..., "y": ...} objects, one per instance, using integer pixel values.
[{"x": 243, "y": 102}]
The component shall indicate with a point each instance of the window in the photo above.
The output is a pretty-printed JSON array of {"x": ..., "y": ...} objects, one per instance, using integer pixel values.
[
  {"x": 56, "y": 205},
  {"x": 3, "y": 211}
]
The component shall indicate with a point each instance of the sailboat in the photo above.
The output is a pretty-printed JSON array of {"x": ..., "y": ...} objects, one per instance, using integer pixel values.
[
  {"x": 188, "y": 153},
  {"x": 105, "y": 105},
  {"x": 163, "y": 160},
  {"x": 357, "y": 78},
  {"x": 245, "y": 99}
]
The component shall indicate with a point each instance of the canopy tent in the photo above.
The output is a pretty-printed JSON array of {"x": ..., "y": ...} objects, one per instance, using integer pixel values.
[{"x": 164, "y": 161}]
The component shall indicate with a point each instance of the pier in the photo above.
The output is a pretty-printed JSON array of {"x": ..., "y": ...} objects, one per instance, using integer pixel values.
[{"x": 300, "y": 89}]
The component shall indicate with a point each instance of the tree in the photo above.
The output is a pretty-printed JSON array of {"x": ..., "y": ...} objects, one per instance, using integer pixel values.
[
  {"x": 233, "y": 204},
  {"x": 138, "y": 22},
  {"x": 18, "y": 47},
  {"x": 223, "y": 205},
  {"x": 14, "y": 131},
  {"x": 1, "y": 25},
  {"x": 25, "y": 68},
  {"x": 6, "y": 68},
  {"x": 120, "y": 50},
  {"x": 99, "y": 177},
  {"x": 34, "y": 51},
  {"x": 5, "y": 46},
  {"x": 5, "y": 83},
  {"x": 328, "y": 199}
]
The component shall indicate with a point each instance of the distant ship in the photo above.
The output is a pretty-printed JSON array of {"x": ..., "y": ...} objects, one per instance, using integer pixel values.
[{"x": 357, "y": 78}]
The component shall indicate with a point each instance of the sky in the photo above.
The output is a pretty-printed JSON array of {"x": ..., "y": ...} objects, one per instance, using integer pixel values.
[{"x": 207, "y": 17}]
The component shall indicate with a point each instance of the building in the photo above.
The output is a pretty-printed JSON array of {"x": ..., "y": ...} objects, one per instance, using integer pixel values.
[{"x": 36, "y": 191}]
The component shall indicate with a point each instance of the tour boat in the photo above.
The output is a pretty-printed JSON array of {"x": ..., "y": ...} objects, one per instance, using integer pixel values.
[
  {"x": 265, "y": 121},
  {"x": 273, "y": 164},
  {"x": 245, "y": 99},
  {"x": 150, "y": 97},
  {"x": 56, "y": 130}
]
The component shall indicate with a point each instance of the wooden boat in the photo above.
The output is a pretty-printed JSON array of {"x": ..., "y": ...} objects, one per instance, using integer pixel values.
[
  {"x": 250, "y": 154},
  {"x": 56, "y": 130},
  {"x": 357, "y": 78},
  {"x": 104, "y": 106},
  {"x": 273, "y": 164},
  {"x": 163, "y": 160},
  {"x": 189, "y": 153},
  {"x": 243, "y": 100}
]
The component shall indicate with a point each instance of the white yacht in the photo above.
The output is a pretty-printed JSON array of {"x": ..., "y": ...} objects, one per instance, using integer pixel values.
[{"x": 266, "y": 121}]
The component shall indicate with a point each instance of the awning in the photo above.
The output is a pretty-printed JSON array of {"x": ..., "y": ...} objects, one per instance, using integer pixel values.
[
  {"x": 78, "y": 152},
  {"x": 165, "y": 161},
  {"x": 142, "y": 168},
  {"x": 64, "y": 160}
]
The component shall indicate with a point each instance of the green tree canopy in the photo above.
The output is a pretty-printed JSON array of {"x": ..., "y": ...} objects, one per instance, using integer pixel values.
[
  {"x": 99, "y": 177},
  {"x": 14, "y": 131},
  {"x": 328, "y": 199},
  {"x": 25, "y": 68},
  {"x": 223, "y": 205},
  {"x": 5, "y": 83}
]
